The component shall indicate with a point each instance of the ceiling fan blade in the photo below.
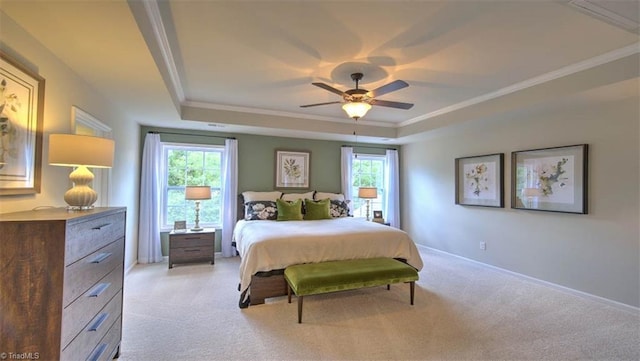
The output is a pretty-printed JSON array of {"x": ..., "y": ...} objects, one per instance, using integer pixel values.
[
  {"x": 315, "y": 105},
  {"x": 329, "y": 88},
  {"x": 390, "y": 104},
  {"x": 393, "y": 86}
]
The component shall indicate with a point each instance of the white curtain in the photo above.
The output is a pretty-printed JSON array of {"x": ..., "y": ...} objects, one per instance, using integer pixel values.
[
  {"x": 230, "y": 195},
  {"x": 346, "y": 160},
  {"x": 149, "y": 247},
  {"x": 392, "y": 187}
]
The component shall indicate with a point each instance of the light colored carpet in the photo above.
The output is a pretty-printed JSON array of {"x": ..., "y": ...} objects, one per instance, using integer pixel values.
[{"x": 462, "y": 311}]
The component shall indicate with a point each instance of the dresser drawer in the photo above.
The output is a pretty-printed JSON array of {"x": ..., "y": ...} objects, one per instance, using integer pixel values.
[
  {"x": 86, "y": 237},
  {"x": 81, "y": 275},
  {"x": 191, "y": 240},
  {"x": 79, "y": 313},
  {"x": 93, "y": 332},
  {"x": 108, "y": 346}
]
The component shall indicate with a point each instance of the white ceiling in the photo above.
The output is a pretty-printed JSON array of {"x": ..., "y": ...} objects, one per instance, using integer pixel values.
[{"x": 247, "y": 66}]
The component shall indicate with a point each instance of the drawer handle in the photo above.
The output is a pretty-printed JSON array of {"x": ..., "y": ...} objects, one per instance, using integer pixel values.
[
  {"x": 101, "y": 227},
  {"x": 99, "y": 321},
  {"x": 97, "y": 291},
  {"x": 101, "y": 257},
  {"x": 191, "y": 237},
  {"x": 191, "y": 250},
  {"x": 95, "y": 355}
]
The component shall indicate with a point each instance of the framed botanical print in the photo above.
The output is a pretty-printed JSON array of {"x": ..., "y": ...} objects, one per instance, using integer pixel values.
[
  {"x": 550, "y": 179},
  {"x": 21, "y": 112},
  {"x": 479, "y": 180},
  {"x": 292, "y": 169}
]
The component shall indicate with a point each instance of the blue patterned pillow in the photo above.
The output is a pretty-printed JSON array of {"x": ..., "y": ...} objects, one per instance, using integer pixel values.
[
  {"x": 260, "y": 210},
  {"x": 339, "y": 208}
]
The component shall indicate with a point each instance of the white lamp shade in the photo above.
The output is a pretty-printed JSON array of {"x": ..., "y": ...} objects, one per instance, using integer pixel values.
[
  {"x": 197, "y": 193},
  {"x": 367, "y": 192},
  {"x": 74, "y": 150},
  {"x": 356, "y": 109}
]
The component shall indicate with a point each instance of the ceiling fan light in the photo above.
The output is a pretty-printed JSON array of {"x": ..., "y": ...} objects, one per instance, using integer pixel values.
[{"x": 356, "y": 110}]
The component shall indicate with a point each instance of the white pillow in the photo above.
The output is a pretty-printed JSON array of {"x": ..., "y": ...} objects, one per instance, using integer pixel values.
[
  {"x": 292, "y": 197},
  {"x": 333, "y": 196},
  {"x": 250, "y": 196}
]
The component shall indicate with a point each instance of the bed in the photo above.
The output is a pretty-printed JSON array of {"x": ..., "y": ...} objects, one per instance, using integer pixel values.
[{"x": 267, "y": 247}]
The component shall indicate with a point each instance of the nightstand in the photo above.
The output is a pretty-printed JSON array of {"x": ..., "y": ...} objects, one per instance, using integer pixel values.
[{"x": 190, "y": 246}]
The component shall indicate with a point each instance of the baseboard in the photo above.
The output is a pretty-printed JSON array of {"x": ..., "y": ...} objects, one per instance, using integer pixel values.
[
  {"x": 130, "y": 267},
  {"x": 615, "y": 304}
]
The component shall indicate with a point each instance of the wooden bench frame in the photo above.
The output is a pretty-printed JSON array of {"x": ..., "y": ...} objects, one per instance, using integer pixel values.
[{"x": 353, "y": 266}]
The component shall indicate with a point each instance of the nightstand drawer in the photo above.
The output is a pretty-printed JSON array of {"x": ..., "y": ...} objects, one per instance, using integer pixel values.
[
  {"x": 190, "y": 240},
  {"x": 192, "y": 254}
]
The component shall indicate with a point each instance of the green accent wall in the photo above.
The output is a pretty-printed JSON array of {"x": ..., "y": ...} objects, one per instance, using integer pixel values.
[{"x": 256, "y": 158}]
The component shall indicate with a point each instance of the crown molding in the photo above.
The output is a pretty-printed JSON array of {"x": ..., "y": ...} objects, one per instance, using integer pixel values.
[
  {"x": 155, "y": 18},
  {"x": 556, "y": 74}
]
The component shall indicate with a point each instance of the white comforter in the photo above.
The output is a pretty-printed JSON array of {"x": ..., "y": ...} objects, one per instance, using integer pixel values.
[{"x": 272, "y": 245}]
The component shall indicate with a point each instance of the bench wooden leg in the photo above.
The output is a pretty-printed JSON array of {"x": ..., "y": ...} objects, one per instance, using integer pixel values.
[
  {"x": 412, "y": 286},
  {"x": 289, "y": 293},
  {"x": 388, "y": 287},
  {"x": 300, "y": 309}
]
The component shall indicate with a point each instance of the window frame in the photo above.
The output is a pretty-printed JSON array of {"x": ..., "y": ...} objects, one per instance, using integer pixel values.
[
  {"x": 166, "y": 147},
  {"x": 380, "y": 200}
]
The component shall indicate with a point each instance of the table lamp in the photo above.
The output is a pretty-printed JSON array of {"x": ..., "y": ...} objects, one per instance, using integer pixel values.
[
  {"x": 197, "y": 193},
  {"x": 80, "y": 151},
  {"x": 368, "y": 193}
]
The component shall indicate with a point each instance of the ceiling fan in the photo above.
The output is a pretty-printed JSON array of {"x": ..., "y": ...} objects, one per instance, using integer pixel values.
[{"x": 356, "y": 102}]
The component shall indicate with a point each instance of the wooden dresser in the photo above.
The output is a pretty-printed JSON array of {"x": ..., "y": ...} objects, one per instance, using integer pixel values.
[{"x": 61, "y": 276}]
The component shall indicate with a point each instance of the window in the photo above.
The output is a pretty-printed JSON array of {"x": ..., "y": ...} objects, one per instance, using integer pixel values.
[
  {"x": 367, "y": 171},
  {"x": 192, "y": 165}
]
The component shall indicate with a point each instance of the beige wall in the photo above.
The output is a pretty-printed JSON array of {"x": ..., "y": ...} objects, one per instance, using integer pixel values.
[
  {"x": 597, "y": 253},
  {"x": 62, "y": 90}
]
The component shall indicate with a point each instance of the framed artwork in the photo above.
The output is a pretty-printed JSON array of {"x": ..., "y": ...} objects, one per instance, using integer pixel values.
[
  {"x": 180, "y": 226},
  {"x": 550, "y": 179},
  {"x": 292, "y": 169},
  {"x": 21, "y": 112},
  {"x": 377, "y": 214},
  {"x": 479, "y": 180}
]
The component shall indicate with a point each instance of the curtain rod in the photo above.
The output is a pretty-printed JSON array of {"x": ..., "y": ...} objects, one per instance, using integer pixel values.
[
  {"x": 364, "y": 146},
  {"x": 192, "y": 135}
]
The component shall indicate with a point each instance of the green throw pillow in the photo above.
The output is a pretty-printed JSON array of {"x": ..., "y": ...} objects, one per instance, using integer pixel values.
[
  {"x": 317, "y": 209},
  {"x": 289, "y": 211}
]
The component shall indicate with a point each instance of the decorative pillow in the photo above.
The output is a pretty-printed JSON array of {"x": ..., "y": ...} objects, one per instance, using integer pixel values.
[
  {"x": 260, "y": 210},
  {"x": 295, "y": 196},
  {"x": 332, "y": 196},
  {"x": 289, "y": 211},
  {"x": 250, "y": 196},
  {"x": 339, "y": 208},
  {"x": 316, "y": 209}
]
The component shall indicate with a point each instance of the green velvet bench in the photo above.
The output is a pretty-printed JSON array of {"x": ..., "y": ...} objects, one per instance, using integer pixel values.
[{"x": 316, "y": 278}]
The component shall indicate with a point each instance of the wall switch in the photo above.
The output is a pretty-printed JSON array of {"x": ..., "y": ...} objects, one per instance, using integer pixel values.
[{"x": 483, "y": 246}]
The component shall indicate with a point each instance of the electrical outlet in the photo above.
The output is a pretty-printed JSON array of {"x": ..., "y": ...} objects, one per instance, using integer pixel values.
[{"x": 483, "y": 246}]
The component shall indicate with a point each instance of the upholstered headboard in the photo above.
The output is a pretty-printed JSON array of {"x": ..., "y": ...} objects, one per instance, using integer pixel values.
[{"x": 240, "y": 212}]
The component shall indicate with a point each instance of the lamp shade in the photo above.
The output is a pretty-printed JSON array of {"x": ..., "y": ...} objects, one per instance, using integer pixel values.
[
  {"x": 197, "y": 193},
  {"x": 76, "y": 150},
  {"x": 367, "y": 192},
  {"x": 356, "y": 109}
]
